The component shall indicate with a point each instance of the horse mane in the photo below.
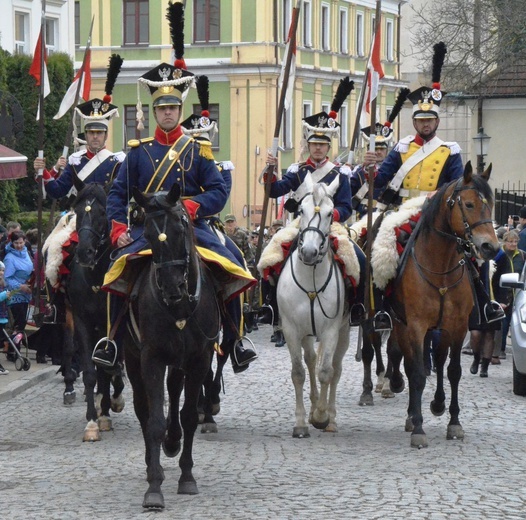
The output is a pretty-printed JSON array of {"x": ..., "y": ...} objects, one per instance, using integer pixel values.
[
  {"x": 319, "y": 191},
  {"x": 434, "y": 205},
  {"x": 91, "y": 190}
]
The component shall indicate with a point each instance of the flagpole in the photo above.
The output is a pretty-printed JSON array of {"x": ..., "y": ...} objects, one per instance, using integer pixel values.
[
  {"x": 370, "y": 193},
  {"x": 41, "y": 155},
  {"x": 269, "y": 170}
]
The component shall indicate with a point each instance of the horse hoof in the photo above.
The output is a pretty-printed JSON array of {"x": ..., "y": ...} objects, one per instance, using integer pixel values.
[
  {"x": 397, "y": 388},
  {"x": 320, "y": 425},
  {"x": 419, "y": 440},
  {"x": 332, "y": 428},
  {"x": 409, "y": 425},
  {"x": 437, "y": 409},
  {"x": 300, "y": 432},
  {"x": 153, "y": 501},
  {"x": 200, "y": 417},
  {"x": 455, "y": 432},
  {"x": 216, "y": 408},
  {"x": 366, "y": 400},
  {"x": 105, "y": 424},
  {"x": 378, "y": 388},
  {"x": 187, "y": 488},
  {"x": 91, "y": 432},
  {"x": 69, "y": 397},
  {"x": 209, "y": 428},
  {"x": 117, "y": 404},
  {"x": 171, "y": 451},
  {"x": 387, "y": 393}
]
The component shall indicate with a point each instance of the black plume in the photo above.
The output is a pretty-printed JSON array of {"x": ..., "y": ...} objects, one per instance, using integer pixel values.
[
  {"x": 202, "y": 91},
  {"x": 345, "y": 87},
  {"x": 175, "y": 16},
  {"x": 399, "y": 103},
  {"x": 114, "y": 68},
  {"x": 440, "y": 51}
]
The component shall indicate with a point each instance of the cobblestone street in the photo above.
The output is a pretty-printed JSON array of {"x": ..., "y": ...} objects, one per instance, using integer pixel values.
[{"x": 254, "y": 469}]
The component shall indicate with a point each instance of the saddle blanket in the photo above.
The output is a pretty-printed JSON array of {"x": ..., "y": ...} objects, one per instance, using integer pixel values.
[
  {"x": 55, "y": 248},
  {"x": 390, "y": 241},
  {"x": 278, "y": 249}
]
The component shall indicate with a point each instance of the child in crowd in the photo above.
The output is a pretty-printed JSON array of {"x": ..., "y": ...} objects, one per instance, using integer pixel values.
[{"x": 4, "y": 294}]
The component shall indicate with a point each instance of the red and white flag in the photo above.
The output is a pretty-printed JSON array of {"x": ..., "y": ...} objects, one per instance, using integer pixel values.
[
  {"x": 36, "y": 69},
  {"x": 374, "y": 74},
  {"x": 83, "y": 75},
  {"x": 292, "y": 73}
]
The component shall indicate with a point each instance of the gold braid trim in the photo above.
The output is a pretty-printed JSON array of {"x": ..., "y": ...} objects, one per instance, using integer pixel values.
[{"x": 205, "y": 150}]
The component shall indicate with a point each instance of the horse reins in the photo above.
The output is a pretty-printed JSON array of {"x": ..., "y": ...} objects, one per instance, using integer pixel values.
[{"x": 102, "y": 237}]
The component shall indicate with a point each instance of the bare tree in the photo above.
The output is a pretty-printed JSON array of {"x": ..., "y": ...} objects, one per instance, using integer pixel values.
[{"x": 484, "y": 38}]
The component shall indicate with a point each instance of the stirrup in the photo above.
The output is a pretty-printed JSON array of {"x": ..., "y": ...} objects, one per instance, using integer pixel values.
[
  {"x": 234, "y": 354},
  {"x": 357, "y": 314},
  {"x": 50, "y": 315},
  {"x": 102, "y": 344},
  {"x": 382, "y": 321},
  {"x": 493, "y": 311}
]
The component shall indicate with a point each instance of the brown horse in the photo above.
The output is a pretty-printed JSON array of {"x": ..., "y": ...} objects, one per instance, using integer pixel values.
[{"x": 432, "y": 294}]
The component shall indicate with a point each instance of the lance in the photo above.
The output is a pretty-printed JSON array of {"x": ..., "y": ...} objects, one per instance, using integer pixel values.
[
  {"x": 269, "y": 169},
  {"x": 40, "y": 172},
  {"x": 370, "y": 194},
  {"x": 69, "y": 135}
]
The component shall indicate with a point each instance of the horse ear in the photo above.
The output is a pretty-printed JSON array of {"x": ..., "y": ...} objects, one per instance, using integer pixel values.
[
  {"x": 78, "y": 183},
  {"x": 173, "y": 194},
  {"x": 487, "y": 172},
  {"x": 333, "y": 186},
  {"x": 139, "y": 197},
  {"x": 468, "y": 172}
]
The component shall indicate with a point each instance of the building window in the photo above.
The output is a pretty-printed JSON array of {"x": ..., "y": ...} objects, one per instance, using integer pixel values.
[
  {"x": 136, "y": 22},
  {"x": 206, "y": 21},
  {"x": 51, "y": 35},
  {"x": 307, "y": 21},
  {"x": 77, "y": 24},
  {"x": 359, "y": 34},
  {"x": 287, "y": 17},
  {"x": 130, "y": 123},
  {"x": 287, "y": 129},
  {"x": 344, "y": 31},
  {"x": 307, "y": 109},
  {"x": 22, "y": 33},
  {"x": 213, "y": 108},
  {"x": 325, "y": 28},
  {"x": 343, "y": 117},
  {"x": 389, "y": 40}
]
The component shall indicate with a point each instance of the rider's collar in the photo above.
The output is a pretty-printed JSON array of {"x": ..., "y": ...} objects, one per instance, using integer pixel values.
[
  {"x": 168, "y": 138},
  {"x": 420, "y": 140},
  {"x": 310, "y": 162},
  {"x": 90, "y": 154}
]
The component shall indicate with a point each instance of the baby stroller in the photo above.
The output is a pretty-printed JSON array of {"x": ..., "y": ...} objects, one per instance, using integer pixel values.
[{"x": 17, "y": 341}]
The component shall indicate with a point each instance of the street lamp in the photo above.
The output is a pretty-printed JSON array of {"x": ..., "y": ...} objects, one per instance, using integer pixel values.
[{"x": 481, "y": 141}]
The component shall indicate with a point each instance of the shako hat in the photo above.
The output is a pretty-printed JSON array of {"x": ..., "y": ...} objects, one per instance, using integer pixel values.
[
  {"x": 426, "y": 100},
  {"x": 200, "y": 126},
  {"x": 321, "y": 127},
  {"x": 384, "y": 133},
  {"x": 168, "y": 84},
  {"x": 96, "y": 113}
]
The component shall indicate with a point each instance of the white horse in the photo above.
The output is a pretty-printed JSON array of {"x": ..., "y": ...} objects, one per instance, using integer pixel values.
[{"x": 312, "y": 304}]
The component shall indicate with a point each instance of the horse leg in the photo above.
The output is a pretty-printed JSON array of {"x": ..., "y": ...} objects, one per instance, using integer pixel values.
[
  {"x": 454, "y": 373},
  {"x": 366, "y": 399},
  {"x": 154, "y": 372},
  {"x": 104, "y": 389},
  {"x": 172, "y": 439},
  {"x": 89, "y": 377},
  {"x": 394, "y": 356},
  {"x": 117, "y": 399},
  {"x": 208, "y": 423},
  {"x": 70, "y": 375},
  {"x": 439, "y": 349},
  {"x": 192, "y": 385},
  {"x": 217, "y": 384},
  {"x": 414, "y": 368},
  {"x": 339, "y": 353},
  {"x": 297, "y": 374}
]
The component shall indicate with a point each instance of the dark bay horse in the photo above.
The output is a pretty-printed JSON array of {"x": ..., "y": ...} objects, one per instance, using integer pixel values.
[
  {"x": 177, "y": 321},
  {"x": 432, "y": 295},
  {"x": 86, "y": 315}
]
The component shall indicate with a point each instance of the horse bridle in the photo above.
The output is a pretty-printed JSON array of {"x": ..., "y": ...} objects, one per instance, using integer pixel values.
[
  {"x": 324, "y": 236},
  {"x": 102, "y": 237}
]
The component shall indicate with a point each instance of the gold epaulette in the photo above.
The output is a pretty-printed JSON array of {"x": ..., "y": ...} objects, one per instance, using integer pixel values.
[
  {"x": 205, "y": 150},
  {"x": 133, "y": 143}
]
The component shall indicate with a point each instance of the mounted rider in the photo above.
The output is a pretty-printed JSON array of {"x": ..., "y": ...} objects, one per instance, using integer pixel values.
[
  {"x": 420, "y": 164},
  {"x": 318, "y": 130},
  {"x": 156, "y": 164}
]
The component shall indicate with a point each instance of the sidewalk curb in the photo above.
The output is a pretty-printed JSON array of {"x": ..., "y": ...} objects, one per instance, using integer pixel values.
[{"x": 20, "y": 385}]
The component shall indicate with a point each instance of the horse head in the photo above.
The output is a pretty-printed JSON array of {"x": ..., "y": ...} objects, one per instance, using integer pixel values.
[
  {"x": 168, "y": 230},
  {"x": 316, "y": 211},
  {"x": 92, "y": 222},
  {"x": 471, "y": 203}
]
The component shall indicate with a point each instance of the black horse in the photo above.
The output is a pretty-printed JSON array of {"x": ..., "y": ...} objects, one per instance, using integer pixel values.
[
  {"x": 177, "y": 320},
  {"x": 86, "y": 315}
]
